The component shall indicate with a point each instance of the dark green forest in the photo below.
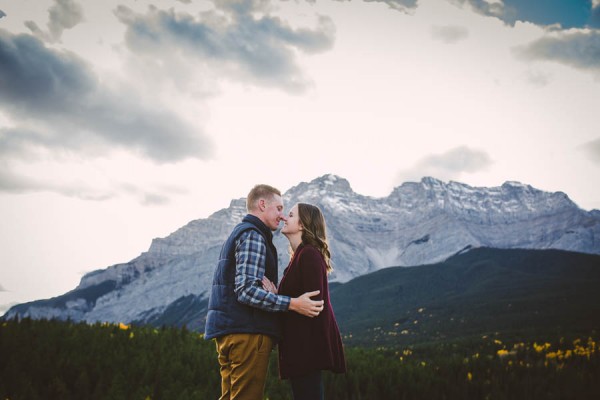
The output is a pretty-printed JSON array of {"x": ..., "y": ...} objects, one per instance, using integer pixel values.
[
  {"x": 63, "y": 360},
  {"x": 522, "y": 292},
  {"x": 487, "y": 324}
]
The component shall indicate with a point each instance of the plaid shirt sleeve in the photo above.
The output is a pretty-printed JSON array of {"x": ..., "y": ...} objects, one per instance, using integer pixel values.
[{"x": 250, "y": 259}]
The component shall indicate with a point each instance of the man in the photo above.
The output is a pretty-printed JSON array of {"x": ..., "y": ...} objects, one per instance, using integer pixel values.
[{"x": 242, "y": 315}]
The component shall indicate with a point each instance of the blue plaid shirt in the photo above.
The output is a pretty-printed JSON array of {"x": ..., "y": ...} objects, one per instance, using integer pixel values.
[{"x": 250, "y": 259}]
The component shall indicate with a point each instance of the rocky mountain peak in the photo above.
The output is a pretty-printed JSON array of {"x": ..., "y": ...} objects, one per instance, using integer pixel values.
[
  {"x": 326, "y": 185},
  {"x": 418, "y": 223}
]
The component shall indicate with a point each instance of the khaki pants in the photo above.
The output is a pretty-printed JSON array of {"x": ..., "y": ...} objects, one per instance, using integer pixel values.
[{"x": 244, "y": 358}]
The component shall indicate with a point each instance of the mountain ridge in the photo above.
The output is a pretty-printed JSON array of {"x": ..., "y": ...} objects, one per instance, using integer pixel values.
[{"x": 418, "y": 223}]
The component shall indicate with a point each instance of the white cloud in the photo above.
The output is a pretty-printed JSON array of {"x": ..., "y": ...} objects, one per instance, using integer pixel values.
[
  {"x": 400, "y": 5},
  {"x": 537, "y": 78},
  {"x": 447, "y": 166},
  {"x": 64, "y": 14},
  {"x": 449, "y": 33},
  {"x": 86, "y": 186},
  {"x": 592, "y": 150}
]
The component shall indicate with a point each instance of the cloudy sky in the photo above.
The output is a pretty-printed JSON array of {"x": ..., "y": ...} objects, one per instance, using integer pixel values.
[{"x": 122, "y": 120}]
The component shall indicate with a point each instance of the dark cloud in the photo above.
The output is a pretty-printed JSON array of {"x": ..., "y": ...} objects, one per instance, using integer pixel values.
[
  {"x": 36, "y": 78},
  {"x": 449, "y": 34},
  {"x": 64, "y": 14},
  {"x": 595, "y": 17},
  {"x": 494, "y": 9},
  {"x": 2, "y": 14},
  {"x": 592, "y": 150},
  {"x": 448, "y": 165},
  {"x": 62, "y": 106},
  {"x": 577, "y": 49},
  {"x": 237, "y": 39},
  {"x": 567, "y": 14}
]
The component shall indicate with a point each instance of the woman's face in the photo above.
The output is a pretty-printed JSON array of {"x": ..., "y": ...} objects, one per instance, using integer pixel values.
[{"x": 292, "y": 223}]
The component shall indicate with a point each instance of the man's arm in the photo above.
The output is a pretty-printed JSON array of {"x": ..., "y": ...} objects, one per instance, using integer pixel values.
[
  {"x": 305, "y": 306},
  {"x": 250, "y": 257}
]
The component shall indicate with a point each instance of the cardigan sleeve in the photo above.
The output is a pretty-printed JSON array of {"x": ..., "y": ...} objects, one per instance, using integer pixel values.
[{"x": 312, "y": 267}]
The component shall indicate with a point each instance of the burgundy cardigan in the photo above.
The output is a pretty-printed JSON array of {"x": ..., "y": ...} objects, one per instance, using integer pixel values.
[{"x": 308, "y": 344}]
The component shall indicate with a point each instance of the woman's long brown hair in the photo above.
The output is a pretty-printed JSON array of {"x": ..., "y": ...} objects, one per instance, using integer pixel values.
[{"x": 314, "y": 231}]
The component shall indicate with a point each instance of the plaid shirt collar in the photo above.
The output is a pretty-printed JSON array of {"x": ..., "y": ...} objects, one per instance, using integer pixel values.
[{"x": 254, "y": 220}]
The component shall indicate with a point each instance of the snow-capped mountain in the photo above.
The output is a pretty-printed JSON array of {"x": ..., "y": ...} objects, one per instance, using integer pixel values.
[{"x": 418, "y": 223}]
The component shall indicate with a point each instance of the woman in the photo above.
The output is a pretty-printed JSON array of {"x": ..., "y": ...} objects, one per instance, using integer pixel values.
[{"x": 309, "y": 345}]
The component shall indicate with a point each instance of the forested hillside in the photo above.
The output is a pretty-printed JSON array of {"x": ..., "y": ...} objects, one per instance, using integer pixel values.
[{"x": 525, "y": 293}]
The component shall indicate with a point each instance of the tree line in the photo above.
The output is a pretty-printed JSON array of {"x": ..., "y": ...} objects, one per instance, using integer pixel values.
[{"x": 42, "y": 359}]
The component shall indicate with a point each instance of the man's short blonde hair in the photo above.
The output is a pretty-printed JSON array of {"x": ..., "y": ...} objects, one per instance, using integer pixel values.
[{"x": 260, "y": 192}]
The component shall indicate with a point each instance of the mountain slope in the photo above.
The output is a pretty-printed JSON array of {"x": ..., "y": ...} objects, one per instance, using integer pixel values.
[
  {"x": 418, "y": 223},
  {"x": 480, "y": 292}
]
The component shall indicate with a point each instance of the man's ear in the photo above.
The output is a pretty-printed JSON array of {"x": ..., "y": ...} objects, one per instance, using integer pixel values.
[{"x": 262, "y": 204}]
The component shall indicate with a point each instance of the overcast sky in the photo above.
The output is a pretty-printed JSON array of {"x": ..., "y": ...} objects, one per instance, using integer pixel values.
[{"x": 122, "y": 120}]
